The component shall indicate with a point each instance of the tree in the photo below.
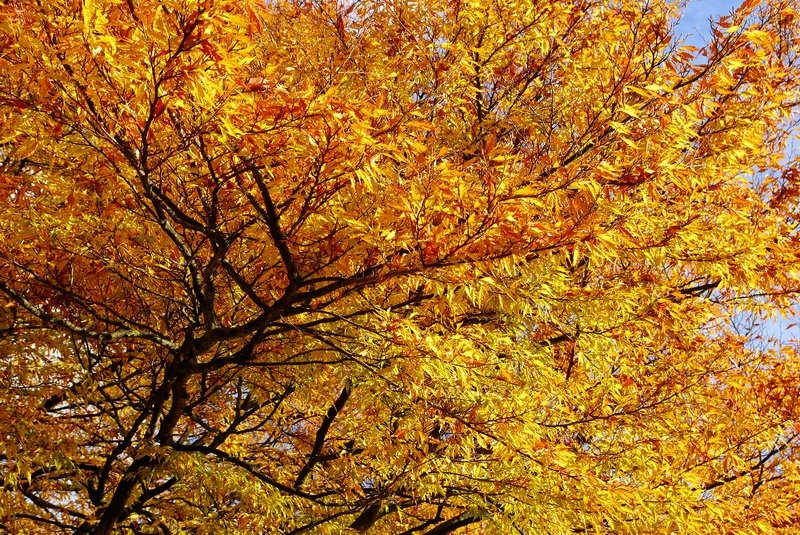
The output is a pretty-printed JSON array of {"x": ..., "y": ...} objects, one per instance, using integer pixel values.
[{"x": 398, "y": 267}]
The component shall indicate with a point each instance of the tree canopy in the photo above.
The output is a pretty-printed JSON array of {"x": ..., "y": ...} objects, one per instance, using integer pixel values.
[{"x": 394, "y": 266}]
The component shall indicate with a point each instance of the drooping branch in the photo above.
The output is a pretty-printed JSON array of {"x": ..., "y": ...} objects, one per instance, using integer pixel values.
[
  {"x": 67, "y": 325},
  {"x": 196, "y": 448}
]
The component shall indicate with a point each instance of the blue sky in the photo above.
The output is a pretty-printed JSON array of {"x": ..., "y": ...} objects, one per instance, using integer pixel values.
[{"x": 695, "y": 18}]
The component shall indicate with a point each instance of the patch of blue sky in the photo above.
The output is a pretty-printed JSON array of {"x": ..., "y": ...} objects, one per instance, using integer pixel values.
[{"x": 694, "y": 24}]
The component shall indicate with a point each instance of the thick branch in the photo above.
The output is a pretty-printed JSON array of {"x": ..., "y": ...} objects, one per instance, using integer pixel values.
[
  {"x": 464, "y": 519},
  {"x": 272, "y": 220},
  {"x": 322, "y": 432},
  {"x": 116, "y": 506}
]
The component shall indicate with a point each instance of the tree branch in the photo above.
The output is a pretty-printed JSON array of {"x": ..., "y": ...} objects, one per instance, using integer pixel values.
[{"x": 322, "y": 432}]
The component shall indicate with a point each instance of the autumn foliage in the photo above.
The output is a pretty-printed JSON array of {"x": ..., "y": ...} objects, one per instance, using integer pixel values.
[{"x": 397, "y": 266}]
